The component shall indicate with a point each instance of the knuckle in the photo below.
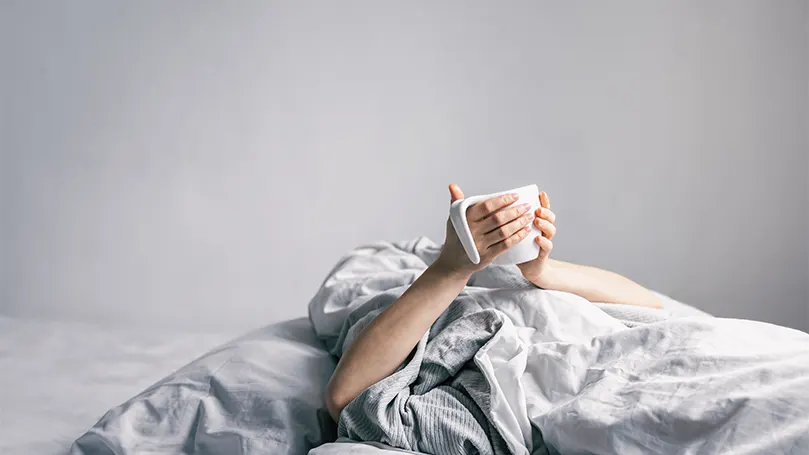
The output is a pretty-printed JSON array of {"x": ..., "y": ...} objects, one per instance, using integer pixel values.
[{"x": 521, "y": 215}]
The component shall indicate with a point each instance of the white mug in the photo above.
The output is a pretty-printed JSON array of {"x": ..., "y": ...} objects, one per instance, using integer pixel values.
[{"x": 525, "y": 250}]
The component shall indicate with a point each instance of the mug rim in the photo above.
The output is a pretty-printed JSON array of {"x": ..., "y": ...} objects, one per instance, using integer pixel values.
[{"x": 517, "y": 190}]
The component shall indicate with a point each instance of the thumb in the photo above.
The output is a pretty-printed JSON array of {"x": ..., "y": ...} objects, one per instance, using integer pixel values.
[{"x": 455, "y": 192}]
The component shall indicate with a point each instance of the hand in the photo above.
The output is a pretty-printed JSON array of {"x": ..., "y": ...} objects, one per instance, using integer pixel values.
[
  {"x": 493, "y": 230},
  {"x": 536, "y": 270}
]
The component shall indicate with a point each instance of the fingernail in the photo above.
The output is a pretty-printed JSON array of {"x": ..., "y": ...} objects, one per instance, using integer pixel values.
[
  {"x": 514, "y": 196},
  {"x": 528, "y": 216},
  {"x": 527, "y": 228}
]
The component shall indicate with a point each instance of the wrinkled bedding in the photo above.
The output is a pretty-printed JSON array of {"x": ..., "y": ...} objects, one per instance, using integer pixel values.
[
  {"x": 122, "y": 391},
  {"x": 260, "y": 393},
  {"x": 569, "y": 377},
  {"x": 565, "y": 375},
  {"x": 58, "y": 377}
]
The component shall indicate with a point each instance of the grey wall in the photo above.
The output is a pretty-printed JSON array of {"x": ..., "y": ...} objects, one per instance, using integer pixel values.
[{"x": 204, "y": 164}]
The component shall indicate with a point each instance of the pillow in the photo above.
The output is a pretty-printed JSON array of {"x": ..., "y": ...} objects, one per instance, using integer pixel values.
[{"x": 261, "y": 393}]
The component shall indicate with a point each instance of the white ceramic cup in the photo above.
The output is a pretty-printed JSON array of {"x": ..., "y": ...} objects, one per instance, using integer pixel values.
[{"x": 525, "y": 250}]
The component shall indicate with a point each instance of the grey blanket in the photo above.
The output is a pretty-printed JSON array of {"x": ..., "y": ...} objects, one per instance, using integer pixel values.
[{"x": 440, "y": 389}]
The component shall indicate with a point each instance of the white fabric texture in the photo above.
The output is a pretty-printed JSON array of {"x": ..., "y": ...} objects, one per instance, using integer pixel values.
[
  {"x": 260, "y": 393},
  {"x": 588, "y": 383},
  {"x": 346, "y": 446},
  {"x": 58, "y": 377}
]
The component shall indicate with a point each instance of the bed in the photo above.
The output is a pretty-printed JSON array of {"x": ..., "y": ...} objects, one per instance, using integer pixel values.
[
  {"x": 80, "y": 389},
  {"x": 59, "y": 377}
]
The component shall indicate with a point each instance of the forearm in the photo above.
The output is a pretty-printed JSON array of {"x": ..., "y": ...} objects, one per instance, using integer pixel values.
[
  {"x": 385, "y": 343},
  {"x": 596, "y": 285}
]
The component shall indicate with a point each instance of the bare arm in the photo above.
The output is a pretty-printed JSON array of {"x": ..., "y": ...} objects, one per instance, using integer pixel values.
[
  {"x": 387, "y": 341},
  {"x": 595, "y": 285},
  {"x": 390, "y": 338}
]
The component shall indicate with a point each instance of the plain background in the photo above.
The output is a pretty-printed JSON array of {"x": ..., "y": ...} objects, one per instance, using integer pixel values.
[{"x": 204, "y": 164}]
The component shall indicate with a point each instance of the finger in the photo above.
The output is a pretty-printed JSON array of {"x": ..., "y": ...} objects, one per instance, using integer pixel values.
[
  {"x": 485, "y": 208},
  {"x": 507, "y": 243},
  {"x": 455, "y": 192},
  {"x": 545, "y": 246},
  {"x": 503, "y": 217},
  {"x": 544, "y": 200},
  {"x": 547, "y": 228},
  {"x": 507, "y": 230},
  {"x": 546, "y": 214}
]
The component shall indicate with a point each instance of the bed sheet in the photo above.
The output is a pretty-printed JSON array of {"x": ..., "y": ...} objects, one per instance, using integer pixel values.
[{"x": 59, "y": 377}]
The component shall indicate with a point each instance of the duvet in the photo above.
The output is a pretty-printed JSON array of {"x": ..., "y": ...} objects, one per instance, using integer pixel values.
[{"x": 510, "y": 368}]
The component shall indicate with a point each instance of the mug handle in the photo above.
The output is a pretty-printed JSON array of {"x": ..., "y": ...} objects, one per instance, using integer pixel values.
[{"x": 457, "y": 214}]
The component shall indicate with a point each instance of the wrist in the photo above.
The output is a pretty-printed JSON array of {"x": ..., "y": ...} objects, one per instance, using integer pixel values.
[
  {"x": 545, "y": 277},
  {"x": 444, "y": 268}
]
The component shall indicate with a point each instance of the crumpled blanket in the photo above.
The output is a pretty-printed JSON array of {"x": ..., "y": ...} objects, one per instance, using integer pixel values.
[{"x": 511, "y": 368}]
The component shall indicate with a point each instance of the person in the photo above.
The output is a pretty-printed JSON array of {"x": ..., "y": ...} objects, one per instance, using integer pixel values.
[{"x": 387, "y": 341}]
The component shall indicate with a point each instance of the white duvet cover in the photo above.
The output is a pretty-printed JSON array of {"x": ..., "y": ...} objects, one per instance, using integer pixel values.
[{"x": 590, "y": 384}]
